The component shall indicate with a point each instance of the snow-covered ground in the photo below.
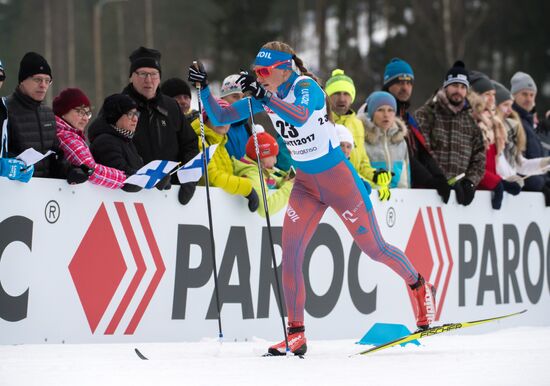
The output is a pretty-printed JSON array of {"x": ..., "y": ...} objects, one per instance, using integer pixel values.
[{"x": 517, "y": 356}]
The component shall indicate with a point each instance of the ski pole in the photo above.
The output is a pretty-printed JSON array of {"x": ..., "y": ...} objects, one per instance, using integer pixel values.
[
  {"x": 264, "y": 197},
  {"x": 209, "y": 205}
]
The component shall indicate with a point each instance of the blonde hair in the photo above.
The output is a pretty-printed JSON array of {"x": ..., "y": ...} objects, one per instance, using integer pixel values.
[{"x": 283, "y": 47}]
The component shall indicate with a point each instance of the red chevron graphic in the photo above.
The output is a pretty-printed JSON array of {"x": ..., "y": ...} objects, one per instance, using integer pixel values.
[
  {"x": 422, "y": 256},
  {"x": 159, "y": 265},
  {"x": 98, "y": 267}
]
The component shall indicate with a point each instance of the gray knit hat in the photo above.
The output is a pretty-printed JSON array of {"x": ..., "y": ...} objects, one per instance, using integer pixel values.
[
  {"x": 521, "y": 81},
  {"x": 502, "y": 93},
  {"x": 480, "y": 82}
]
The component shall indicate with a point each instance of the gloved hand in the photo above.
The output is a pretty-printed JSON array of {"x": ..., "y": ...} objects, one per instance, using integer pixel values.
[
  {"x": 368, "y": 187},
  {"x": 443, "y": 188},
  {"x": 511, "y": 187},
  {"x": 249, "y": 84},
  {"x": 382, "y": 177},
  {"x": 165, "y": 183},
  {"x": 384, "y": 193},
  {"x": 253, "y": 201},
  {"x": 131, "y": 188},
  {"x": 498, "y": 194},
  {"x": 545, "y": 162},
  {"x": 11, "y": 168},
  {"x": 198, "y": 75},
  {"x": 26, "y": 174},
  {"x": 186, "y": 192},
  {"x": 78, "y": 175},
  {"x": 465, "y": 191},
  {"x": 516, "y": 178}
]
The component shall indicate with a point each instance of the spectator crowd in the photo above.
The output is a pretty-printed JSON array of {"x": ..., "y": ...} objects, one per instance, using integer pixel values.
[{"x": 472, "y": 134}]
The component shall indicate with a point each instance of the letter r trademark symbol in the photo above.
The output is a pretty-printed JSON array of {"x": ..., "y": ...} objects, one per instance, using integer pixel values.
[{"x": 52, "y": 211}]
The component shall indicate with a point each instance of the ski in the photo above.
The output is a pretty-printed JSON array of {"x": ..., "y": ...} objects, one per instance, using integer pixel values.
[
  {"x": 435, "y": 331},
  {"x": 140, "y": 355}
]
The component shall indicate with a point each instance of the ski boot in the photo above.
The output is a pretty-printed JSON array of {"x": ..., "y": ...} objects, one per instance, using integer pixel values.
[
  {"x": 296, "y": 341},
  {"x": 424, "y": 296}
]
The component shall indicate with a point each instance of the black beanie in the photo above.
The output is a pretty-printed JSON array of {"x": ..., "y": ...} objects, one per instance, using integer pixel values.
[
  {"x": 480, "y": 82},
  {"x": 144, "y": 57},
  {"x": 174, "y": 87},
  {"x": 32, "y": 64},
  {"x": 457, "y": 74},
  {"x": 115, "y": 105}
]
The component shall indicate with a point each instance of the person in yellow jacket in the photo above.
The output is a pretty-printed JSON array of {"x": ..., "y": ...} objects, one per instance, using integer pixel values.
[
  {"x": 278, "y": 184},
  {"x": 220, "y": 167},
  {"x": 341, "y": 92}
]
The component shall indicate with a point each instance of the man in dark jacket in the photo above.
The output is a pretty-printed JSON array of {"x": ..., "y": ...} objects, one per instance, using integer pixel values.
[
  {"x": 162, "y": 132},
  {"x": 32, "y": 124},
  {"x": 425, "y": 171},
  {"x": 524, "y": 91}
]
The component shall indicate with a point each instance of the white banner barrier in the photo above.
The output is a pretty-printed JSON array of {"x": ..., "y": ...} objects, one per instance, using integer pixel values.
[{"x": 85, "y": 264}]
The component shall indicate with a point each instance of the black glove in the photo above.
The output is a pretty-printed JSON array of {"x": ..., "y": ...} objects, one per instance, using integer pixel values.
[
  {"x": 164, "y": 184},
  {"x": 186, "y": 192},
  {"x": 465, "y": 191},
  {"x": 443, "y": 188},
  {"x": 249, "y": 84},
  {"x": 498, "y": 194},
  {"x": 253, "y": 201},
  {"x": 546, "y": 192},
  {"x": 511, "y": 187},
  {"x": 198, "y": 75},
  {"x": 78, "y": 175},
  {"x": 131, "y": 188}
]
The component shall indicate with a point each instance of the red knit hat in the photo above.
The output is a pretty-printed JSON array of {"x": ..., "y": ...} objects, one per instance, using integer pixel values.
[
  {"x": 267, "y": 144},
  {"x": 69, "y": 99},
  {"x": 223, "y": 104}
]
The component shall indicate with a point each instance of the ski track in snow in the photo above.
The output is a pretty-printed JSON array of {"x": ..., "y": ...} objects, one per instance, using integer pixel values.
[{"x": 517, "y": 356}]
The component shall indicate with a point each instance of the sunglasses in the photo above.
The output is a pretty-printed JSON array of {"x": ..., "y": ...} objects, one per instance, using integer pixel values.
[
  {"x": 264, "y": 72},
  {"x": 2, "y": 77}
]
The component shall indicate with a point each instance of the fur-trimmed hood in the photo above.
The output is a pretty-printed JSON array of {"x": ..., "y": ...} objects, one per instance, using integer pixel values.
[{"x": 373, "y": 133}]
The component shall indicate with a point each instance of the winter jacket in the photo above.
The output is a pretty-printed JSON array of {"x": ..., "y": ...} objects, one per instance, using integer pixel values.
[
  {"x": 424, "y": 167},
  {"x": 220, "y": 167},
  {"x": 277, "y": 188},
  {"x": 358, "y": 156},
  {"x": 112, "y": 149},
  {"x": 162, "y": 132},
  {"x": 237, "y": 137},
  {"x": 387, "y": 149},
  {"x": 533, "y": 148},
  {"x": 454, "y": 139},
  {"x": 77, "y": 152},
  {"x": 32, "y": 124},
  {"x": 3, "y": 127}
]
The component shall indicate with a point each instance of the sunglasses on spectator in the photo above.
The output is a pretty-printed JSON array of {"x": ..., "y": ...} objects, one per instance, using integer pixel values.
[
  {"x": 2, "y": 77},
  {"x": 132, "y": 114},
  {"x": 144, "y": 75},
  {"x": 38, "y": 80},
  {"x": 84, "y": 113},
  {"x": 264, "y": 72}
]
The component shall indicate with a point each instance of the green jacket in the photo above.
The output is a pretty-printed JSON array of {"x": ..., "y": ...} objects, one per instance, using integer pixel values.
[
  {"x": 220, "y": 167},
  {"x": 278, "y": 189}
]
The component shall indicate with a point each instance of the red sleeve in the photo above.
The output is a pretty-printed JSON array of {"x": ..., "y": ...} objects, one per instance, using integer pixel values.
[{"x": 490, "y": 179}]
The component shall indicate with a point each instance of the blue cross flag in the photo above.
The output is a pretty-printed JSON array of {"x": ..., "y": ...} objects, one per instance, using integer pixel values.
[
  {"x": 192, "y": 170},
  {"x": 149, "y": 175}
]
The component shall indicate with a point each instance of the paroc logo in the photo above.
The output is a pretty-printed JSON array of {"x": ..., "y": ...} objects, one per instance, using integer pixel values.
[
  {"x": 99, "y": 266},
  {"x": 429, "y": 251}
]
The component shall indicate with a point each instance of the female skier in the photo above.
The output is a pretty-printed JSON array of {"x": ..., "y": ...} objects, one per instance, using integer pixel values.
[{"x": 297, "y": 106}]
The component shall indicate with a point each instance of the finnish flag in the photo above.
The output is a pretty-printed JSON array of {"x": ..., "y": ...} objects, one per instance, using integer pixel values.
[
  {"x": 149, "y": 175},
  {"x": 192, "y": 170}
]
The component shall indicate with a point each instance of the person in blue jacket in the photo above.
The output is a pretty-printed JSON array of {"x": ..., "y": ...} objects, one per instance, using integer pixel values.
[{"x": 297, "y": 106}]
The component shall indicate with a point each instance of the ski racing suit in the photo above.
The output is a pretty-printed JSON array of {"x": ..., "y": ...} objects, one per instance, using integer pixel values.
[{"x": 324, "y": 179}]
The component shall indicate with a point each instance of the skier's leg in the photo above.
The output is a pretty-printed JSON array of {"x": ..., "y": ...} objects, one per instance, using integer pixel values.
[{"x": 303, "y": 214}]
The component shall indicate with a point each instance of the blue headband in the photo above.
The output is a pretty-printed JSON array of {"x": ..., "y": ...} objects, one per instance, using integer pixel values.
[{"x": 269, "y": 57}]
